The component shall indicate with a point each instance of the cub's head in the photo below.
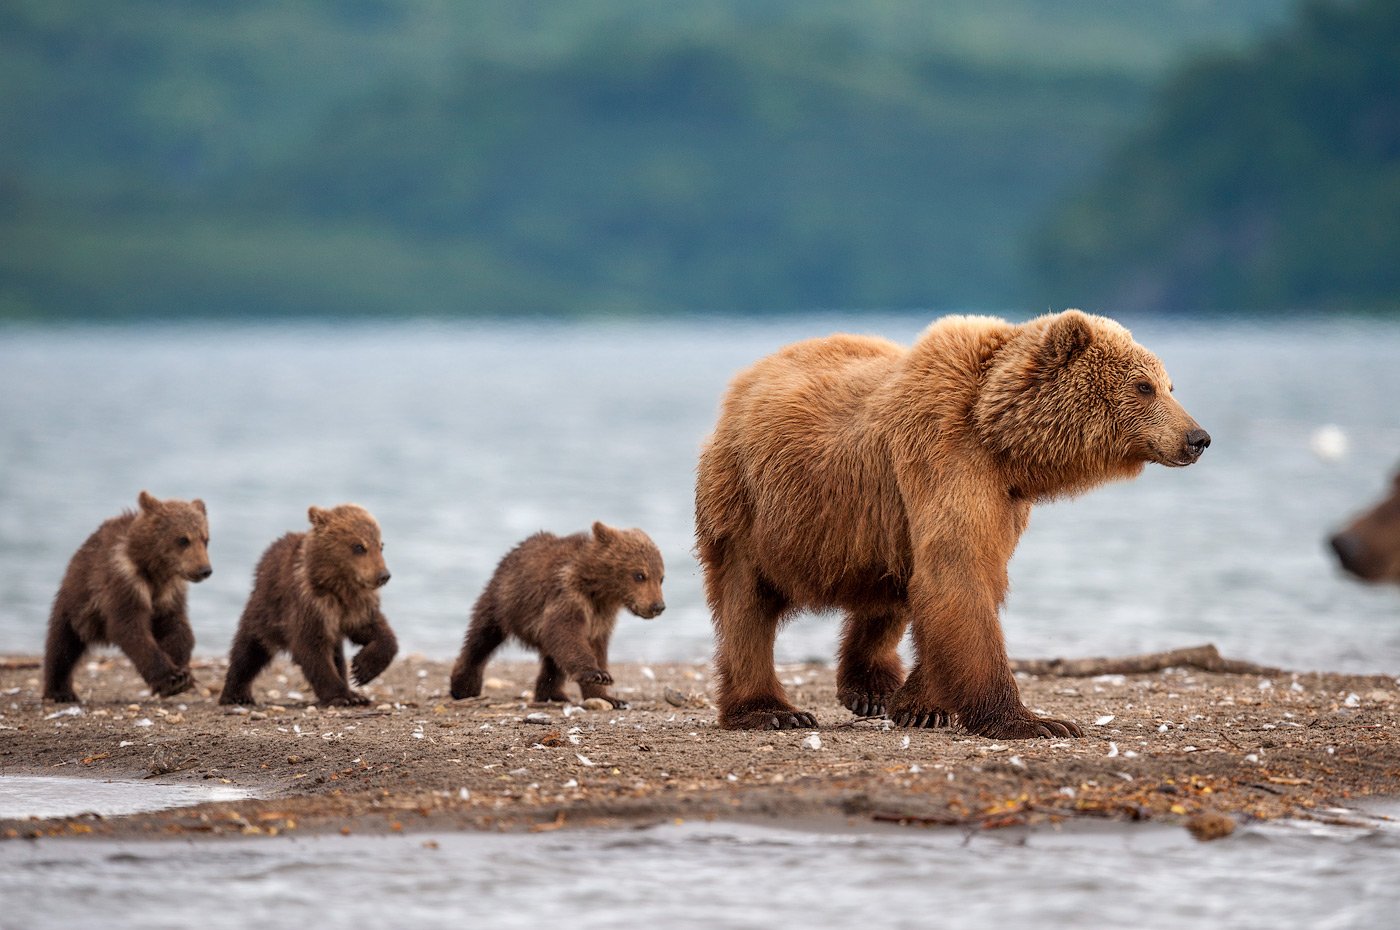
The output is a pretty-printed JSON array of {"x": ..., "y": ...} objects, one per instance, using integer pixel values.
[
  {"x": 1369, "y": 547},
  {"x": 170, "y": 539},
  {"x": 344, "y": 547},
  {"x": 634, "y": 568},
  {"x": 1073, "y": 401}
]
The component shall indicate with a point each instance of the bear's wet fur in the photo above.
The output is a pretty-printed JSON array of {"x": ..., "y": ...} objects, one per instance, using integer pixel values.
[
  {"x": 126, "y": 585},
  {"x": 1369, "y": 546},
  {"x": 311, "y": 591},
  {"x": 893, "y": 483},
  {"x": 560, "y": 596}
]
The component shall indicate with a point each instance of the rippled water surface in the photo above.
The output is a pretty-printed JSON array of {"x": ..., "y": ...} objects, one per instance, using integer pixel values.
[{"x": 465, "y": 438}]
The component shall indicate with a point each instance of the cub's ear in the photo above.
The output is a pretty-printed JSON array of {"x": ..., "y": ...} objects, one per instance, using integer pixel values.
[
  {"x": 603, "y": 533},
  {"x": 317, "y": 516},
  {"x": 199, "y": 505},
  {"x": 1066, "y": 337},
  {"x": 148, "y": 503}
]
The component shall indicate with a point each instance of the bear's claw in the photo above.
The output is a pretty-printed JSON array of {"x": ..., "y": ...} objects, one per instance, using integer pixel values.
[
  {"x": 348, "y": 700},
  {"x": 928, "y": 719},
  {"x": 174, "y": 683},
  {"x": 770, "y": 719},
  {"x": 1028, "y": 727},
  {"x": 595, "y": 677},
  {"x": 866, "y": 705}
]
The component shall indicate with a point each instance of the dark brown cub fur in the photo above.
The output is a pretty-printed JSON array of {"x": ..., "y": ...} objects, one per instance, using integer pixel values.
[
  {"x": 311, "y": 591},
  {"x": 1369, "y": 547},
  {"x": 560, "y": 596},
  {"x": 126, "y": 586}
]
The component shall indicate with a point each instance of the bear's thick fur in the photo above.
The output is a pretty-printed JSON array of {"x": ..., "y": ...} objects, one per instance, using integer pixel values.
[
  {"x": 126, "y": 585},
  {"x": 560, "y": 596},
  {"x": 311, "y": 591},
  {"x": 1369, "y": 546},
  {"x": 893, "y": 483}
]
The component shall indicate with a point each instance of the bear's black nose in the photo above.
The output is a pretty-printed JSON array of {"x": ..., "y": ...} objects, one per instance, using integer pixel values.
[
  {"x": 203, "y": 573},
  {"x": 1350, "y": 552},
  {"x": 382, "y": 579},
  {"x": 657, "y": 608},
  {"x": 1197, "y": 440}
]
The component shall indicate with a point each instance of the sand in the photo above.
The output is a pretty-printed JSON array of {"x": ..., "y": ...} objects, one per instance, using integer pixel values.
[{"x": 1203, "y": 749}]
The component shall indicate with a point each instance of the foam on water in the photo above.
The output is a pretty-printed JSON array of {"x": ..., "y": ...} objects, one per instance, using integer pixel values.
[{"x": 52, "y": 796}]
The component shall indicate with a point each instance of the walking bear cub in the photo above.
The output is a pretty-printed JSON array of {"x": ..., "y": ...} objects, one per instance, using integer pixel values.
[
  {"x": 560, "y": 596},
  {"x": 126, "y": 586},
  {"x": 311, "y": 591}
]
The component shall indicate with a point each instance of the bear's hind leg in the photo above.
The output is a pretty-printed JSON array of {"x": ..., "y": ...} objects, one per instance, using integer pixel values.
[
  {"x": 246, "y": 659},
  {"x": 549, "y": 686},
  {"x": 61, "y": 652},
  {"x": 483, "y": 637},
  {"x": 870, "y": 671},
  {"x": 746, "y": 611}
]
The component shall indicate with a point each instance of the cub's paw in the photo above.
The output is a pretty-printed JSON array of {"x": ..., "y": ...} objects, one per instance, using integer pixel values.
[
  {"x": 245, "y": 698},
  {"x": 172, "y": 683},
  {"x": 595, "y": 677},
  {"x": 769, "y": 719},
  {"x": 62, "y": 697},
  {"x": 1025, "y": 725},
  {"x": 352, "y": 699},
  {"x": 616, "y": 702}
]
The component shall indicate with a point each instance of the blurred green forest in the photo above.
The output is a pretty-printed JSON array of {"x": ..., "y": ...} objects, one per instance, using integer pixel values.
[
  {"x": 169, "y": 159},
  {"x": 1266, "y": 180}
]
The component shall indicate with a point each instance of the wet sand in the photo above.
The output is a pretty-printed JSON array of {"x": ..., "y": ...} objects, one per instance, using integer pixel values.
[{"x": 1178, "y": 745}]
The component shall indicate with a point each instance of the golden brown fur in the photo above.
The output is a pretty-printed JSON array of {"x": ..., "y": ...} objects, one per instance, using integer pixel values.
[
  {"x": 894, "y": 483},
  {"x": 560, "y": 596},
  {"x": 126, "y": 585},
  {"x": 1369, "y": 547},
  {"x": 312, "y": 591}
]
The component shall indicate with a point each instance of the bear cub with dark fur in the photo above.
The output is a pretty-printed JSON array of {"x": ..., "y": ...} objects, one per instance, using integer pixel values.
[
  {"x": 560, "y": 596},
  {"x": 311, "y": 591},
  {"x": 126, "y": 586}
]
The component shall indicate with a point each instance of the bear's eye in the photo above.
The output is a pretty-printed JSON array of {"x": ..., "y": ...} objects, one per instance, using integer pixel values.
[
  {"x": 1145, "y": 388},
  {"x": 639, "y": 576},
  {"x": 183, "y": 542},
  {"x": 358, "y": 549}
]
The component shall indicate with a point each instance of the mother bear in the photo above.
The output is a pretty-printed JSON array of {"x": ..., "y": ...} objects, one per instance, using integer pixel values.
[{"x": 893, "y": 483}]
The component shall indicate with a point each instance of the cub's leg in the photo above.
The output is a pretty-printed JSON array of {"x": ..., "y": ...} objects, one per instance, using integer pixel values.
[
  {"x": 549, "y": 686},
  {"x": 246, "y": 659},
  {"x": 600, "y": 653},
  {"x": 484, "y": 636},
  {"x": 133, "y": 633},
  {"x": 315, "y": 656},
  {"x": 378, "y": 645},
  {"x": 870, "y": 671},
  {"x": 62, "y": 651}
]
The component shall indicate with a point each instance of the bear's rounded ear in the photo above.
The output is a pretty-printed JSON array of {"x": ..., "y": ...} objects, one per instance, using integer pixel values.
[
  {"x": 603, "y": 533},
  {"x": 147, "y": 502},
  {"x": 317, "y": 516},
  {"x": 1066, "y": 337},
  {"x": 198, "y": 504}
]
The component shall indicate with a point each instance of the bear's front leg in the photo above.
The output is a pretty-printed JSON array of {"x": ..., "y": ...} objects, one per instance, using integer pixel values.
[
  {"x": 132, "y": 634},
  {"x": 870, "y": 671},
  {"x": 314, "y": 655},
  {"x": 599, "y": 645},
  {"x": 379, "y": 646}
]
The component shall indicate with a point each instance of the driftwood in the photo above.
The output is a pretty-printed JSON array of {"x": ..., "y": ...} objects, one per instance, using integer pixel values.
[
  {"x": 1206, "y": 658},
  {"x": 13, "y": 663}
]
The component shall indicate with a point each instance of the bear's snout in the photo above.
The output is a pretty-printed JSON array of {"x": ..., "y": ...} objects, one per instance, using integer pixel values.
[
  {"x": 1353, "y": 555},
  {"x": 382, "y": 578},
  {"x": 649, "y": 611},
  {"x": 1197, "y": 441},
  {"x": 199, "y": 574}
]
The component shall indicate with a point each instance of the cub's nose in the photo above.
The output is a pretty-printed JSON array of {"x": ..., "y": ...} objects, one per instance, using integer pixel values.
[
  {"x": 1350, "y": 552},
  {"x": 1197, "y": 440},
  {"x": 382, "y": 579},
  {"x": 657, "y": 607},
  {"x": 203, "y": 573}
]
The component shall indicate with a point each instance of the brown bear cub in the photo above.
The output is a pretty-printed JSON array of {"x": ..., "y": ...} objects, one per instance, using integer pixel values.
[
  {"x": 560, "y": 596},
  {"x": 311, "y": 591},
  {"x": 1369, "y": 547},
  {"x": 126, "y": 586}
]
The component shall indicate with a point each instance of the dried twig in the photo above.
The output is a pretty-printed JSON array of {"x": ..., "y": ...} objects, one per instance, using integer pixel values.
[{"x": 1206, "y": 658}]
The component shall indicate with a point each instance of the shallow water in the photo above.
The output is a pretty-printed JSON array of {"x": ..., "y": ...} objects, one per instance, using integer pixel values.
[
  {"x": 716, "y": 875},
  {"x": 50, "y": 796},
  {"x": 465, "y": 438}
]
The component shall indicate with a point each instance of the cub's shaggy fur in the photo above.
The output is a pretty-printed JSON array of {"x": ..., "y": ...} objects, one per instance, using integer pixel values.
[
  {"x": 126, "y": 585},
  {"x": 1369, "y": 546},
  {"x": 893, "y": 483},
  {"x": 311, "y": 591},
  {"x": 560, "y": 596}
]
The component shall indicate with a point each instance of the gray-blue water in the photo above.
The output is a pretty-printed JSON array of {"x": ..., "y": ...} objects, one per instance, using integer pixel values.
[{"x": 464, "y": 438}]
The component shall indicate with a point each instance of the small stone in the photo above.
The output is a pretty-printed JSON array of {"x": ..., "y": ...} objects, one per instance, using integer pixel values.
[
  {"x": 1379, "y": 697},
  {"x": 597, "y": 703},
  {"x": 675, "y": 698},
  {"x": 813, "y": 741},
  {"x": 1210, "y": 825},
  {"x": 537, "y": 717}
]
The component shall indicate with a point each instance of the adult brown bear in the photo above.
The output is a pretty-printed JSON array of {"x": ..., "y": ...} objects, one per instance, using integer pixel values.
[
  {"x": 1369, "y": 547},
  {"x": 893, "y": 483}
]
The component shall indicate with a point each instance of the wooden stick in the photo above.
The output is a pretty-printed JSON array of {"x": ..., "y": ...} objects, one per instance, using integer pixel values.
[{"x": 1207, "y": 658}]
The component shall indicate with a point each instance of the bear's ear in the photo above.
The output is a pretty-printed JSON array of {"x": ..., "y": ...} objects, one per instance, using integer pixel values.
[
  {"x": 1066, "y": 337},
  {"x": 603, "y": 533},
  {"x": 198, "y": 504},
  {"x": 317, "y": 516},
  {"x": 148, "y": 503}
]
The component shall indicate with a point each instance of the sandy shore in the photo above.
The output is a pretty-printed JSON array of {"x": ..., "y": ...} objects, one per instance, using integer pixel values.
[{"x": 1205, "y": 749}]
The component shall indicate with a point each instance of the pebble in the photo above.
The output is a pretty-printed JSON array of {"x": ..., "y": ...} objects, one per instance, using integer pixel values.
[
  {"x": 537, "y": 717},
  {"x": 1210, "y": 825},
  {"x": 813, "y": 741},
  {"x": 597, "y": 703}
]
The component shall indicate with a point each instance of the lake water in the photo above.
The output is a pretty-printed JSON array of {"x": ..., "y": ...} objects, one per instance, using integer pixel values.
[{"x": 463, "y": 439}]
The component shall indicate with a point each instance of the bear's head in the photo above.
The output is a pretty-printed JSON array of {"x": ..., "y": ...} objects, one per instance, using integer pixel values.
[
  {"x": 170, "y": 539},
  {"x": 627, "y": 566},
  {"x": 1070, "y": 401},
  {"x": 343, "y": 550},
  {"x": 1369, "y": 547}
]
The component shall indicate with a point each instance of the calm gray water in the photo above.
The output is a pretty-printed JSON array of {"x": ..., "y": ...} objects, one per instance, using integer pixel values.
[
  {"x": 463, "y": 439},
  {"x": 713, "y": 876}
]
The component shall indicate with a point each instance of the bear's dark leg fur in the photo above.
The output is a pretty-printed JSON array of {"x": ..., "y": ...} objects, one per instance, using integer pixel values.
[
  {"x": 549, "y": 684},
  {"x": 315, "y": 656},
  {"x": 599, "y": 645},
  {"x": 561, "y": 637},
  {"x": 746, "y": 611},
  {"x": 338, "y": 655},
  {"x": 483, "y": 637},
  {"x": 61, "y": 652},
  {"x": 175, "y": 638},
  {"x": 870, "y": 670},
  {"x": 135, "y": 638},
  {"x": 246, "y": 659},
  {"x": 377, "y": 650}
]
